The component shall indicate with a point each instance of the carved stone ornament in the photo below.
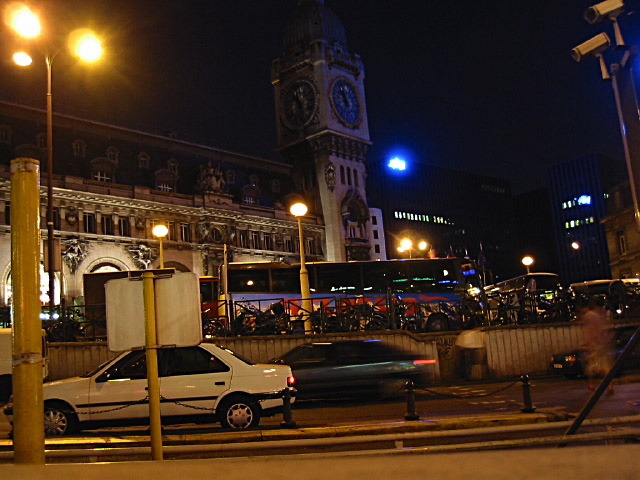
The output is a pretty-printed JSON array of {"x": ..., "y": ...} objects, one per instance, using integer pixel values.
[
  {"x": 71, "y": 215},
  {"x": 142, "y": 255},
  {"x": 75, "y": 251},
  {"x": 330, "y": 176},
  {"x": 210, "y": 179},
  {"x": 140, "y": 223}
]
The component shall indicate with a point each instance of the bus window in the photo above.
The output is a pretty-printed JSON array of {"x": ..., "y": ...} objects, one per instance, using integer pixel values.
[
  {"x": 338, "y": 278},
  {"x": 425, "y": 276},
  {"x": 376, "y": 277},
  {"x": 285, "y": 280},
  {"x": 207, "y": 292},
  {"x": 253, "y": 280}
]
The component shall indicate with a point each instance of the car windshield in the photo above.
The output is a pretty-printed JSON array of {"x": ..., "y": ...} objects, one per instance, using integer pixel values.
[{"x": 91, "y": 373}]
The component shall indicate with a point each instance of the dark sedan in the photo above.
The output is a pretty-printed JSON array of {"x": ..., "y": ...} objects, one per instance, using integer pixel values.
[
  {"x": 355, "y": 368},
  {"x": 571, "y": 364}
]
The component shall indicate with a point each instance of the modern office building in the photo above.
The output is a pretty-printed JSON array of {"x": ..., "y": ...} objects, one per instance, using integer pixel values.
[
  {"x": 577, "y": 190},
  {"x": 457, "y": 213}
]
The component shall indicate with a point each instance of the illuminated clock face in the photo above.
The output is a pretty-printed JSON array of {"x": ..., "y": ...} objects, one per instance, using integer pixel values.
[
  {"x": 300, "y": 104},
  {"x": 345, "y": 102}
]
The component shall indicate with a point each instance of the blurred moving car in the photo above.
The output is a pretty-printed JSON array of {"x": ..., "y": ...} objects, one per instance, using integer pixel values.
[
  {"x": 571, "y": 364},
  {"x": 355, "y": 368},
  {"x": 198, "y": 381}
]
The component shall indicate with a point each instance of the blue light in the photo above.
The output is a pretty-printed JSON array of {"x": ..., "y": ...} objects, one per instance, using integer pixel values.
[
  {"x": 397, "y": 164},
  {"x": 584, "y": 200}
]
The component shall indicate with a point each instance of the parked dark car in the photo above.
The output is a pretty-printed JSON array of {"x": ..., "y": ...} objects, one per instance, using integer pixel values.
[
  {"x": 355, "y": 368},
  {"x": 571, "y": 364}
]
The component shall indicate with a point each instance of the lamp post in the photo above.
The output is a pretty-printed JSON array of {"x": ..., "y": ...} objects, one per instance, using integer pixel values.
[
  {"x": 527, "y": 261},
  {"x": 84, "y": 45},
  {"x": 299, "y": 210},
  {"x": 160, "y": 231}
]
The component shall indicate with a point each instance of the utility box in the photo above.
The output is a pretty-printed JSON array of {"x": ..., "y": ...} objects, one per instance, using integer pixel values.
[{"x": 177, "y": 309}]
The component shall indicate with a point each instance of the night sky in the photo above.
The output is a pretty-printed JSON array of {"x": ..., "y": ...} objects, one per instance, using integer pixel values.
[{"x": 483, "y": 86}]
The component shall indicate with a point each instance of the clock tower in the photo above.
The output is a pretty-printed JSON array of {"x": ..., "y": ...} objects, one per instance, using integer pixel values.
[{"x": 322, "y": 125}]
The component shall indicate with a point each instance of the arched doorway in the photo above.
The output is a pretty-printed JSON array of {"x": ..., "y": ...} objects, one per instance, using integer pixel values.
[
  {"x": 105, "y": 267},
  {"x": 177, "y": 265},
  {"x": 44, "y": 288}
]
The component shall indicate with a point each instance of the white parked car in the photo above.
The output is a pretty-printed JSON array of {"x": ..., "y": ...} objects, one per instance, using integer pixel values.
[{"x": 194, "y": 381}]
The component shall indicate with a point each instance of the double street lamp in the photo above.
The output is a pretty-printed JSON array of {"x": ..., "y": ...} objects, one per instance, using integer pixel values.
[
  {"x": 86, "y": 46},
  {"x": 299, "y": 210},
  {"x": 406, "y": 245}
]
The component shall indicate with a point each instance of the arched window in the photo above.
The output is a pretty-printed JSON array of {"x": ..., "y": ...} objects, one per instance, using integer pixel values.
[
  {"x": 173, "y": 165},
  {"x": 349, "y": 176},
  {"x": 356, "y": 182},
  {"x": 342, "y": 174}
]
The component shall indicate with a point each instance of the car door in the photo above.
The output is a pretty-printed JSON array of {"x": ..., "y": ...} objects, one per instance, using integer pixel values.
[
  {"x": 120, "y": 391},
  {"x": 192, "y": 380}
]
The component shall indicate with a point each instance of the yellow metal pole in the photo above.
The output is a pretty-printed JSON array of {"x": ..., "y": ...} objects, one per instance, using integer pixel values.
[
  {"x": 28, "y": 404},
  {"x": 304, "y": 284},
  {"x": 152, "y": 366},
  {"x": 161, "y": 254}
]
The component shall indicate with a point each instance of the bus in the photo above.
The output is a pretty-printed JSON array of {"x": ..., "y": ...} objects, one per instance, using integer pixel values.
[
  {"x": 416, "y": 294},
  {"x": 526, "y": 299}
]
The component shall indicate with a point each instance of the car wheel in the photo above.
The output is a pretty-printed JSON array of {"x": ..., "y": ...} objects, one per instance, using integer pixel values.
[
  {"x": 239, "y": 412},
  {"x": 59, "y": 419}
]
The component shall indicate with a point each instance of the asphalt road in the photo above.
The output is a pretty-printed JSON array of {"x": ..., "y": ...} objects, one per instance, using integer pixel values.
[{"x": 549, "y": 395}]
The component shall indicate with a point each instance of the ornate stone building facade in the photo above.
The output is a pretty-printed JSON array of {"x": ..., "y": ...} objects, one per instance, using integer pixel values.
[{"x": 112, "y": 185}]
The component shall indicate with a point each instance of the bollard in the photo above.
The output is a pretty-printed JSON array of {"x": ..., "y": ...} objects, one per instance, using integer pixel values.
[
  {"x": 527, "y": 407},
  {"x": 287, "y": 422},
  {"x": 411, "y": 402}
]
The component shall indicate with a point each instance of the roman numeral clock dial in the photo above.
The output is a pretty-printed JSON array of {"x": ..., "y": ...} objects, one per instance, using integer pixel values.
[
  {"x": 346, "y": 103},
  {"x": 300, "y": 104}
]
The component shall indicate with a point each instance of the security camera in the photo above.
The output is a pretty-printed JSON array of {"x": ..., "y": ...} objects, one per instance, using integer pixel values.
[
  {"x": 607, "y": 10},
  {"x": 592, "y": 47}
]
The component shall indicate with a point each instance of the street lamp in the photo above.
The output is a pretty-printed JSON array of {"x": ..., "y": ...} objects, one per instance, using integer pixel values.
[
  {"x": 527, "y": 261},
  {"x": 406, "y": 245},
  {"x": 160, "y": 231},
  {"x": 84, "y": 45},
  {"x": 299, "y": 210}
]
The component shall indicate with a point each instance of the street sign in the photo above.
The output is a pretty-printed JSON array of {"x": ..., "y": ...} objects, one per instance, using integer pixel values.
[{"x": 177, "y": 309}]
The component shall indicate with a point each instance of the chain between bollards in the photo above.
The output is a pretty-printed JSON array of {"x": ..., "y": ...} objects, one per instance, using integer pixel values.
[
  {"x": 527, "y": 407},
  {"x": 287, "y": 421},
  {"x": 411, "y": 402}
]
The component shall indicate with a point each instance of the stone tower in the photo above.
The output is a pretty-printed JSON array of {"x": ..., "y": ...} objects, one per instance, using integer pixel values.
[{"x": 322, "y": 125}]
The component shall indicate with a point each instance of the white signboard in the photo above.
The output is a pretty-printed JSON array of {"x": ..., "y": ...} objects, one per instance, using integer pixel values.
[{"x": 177, "y": 303}]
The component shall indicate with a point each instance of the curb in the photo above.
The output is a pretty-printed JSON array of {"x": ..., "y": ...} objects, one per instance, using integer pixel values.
[{"x": 458, "y": 423}]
